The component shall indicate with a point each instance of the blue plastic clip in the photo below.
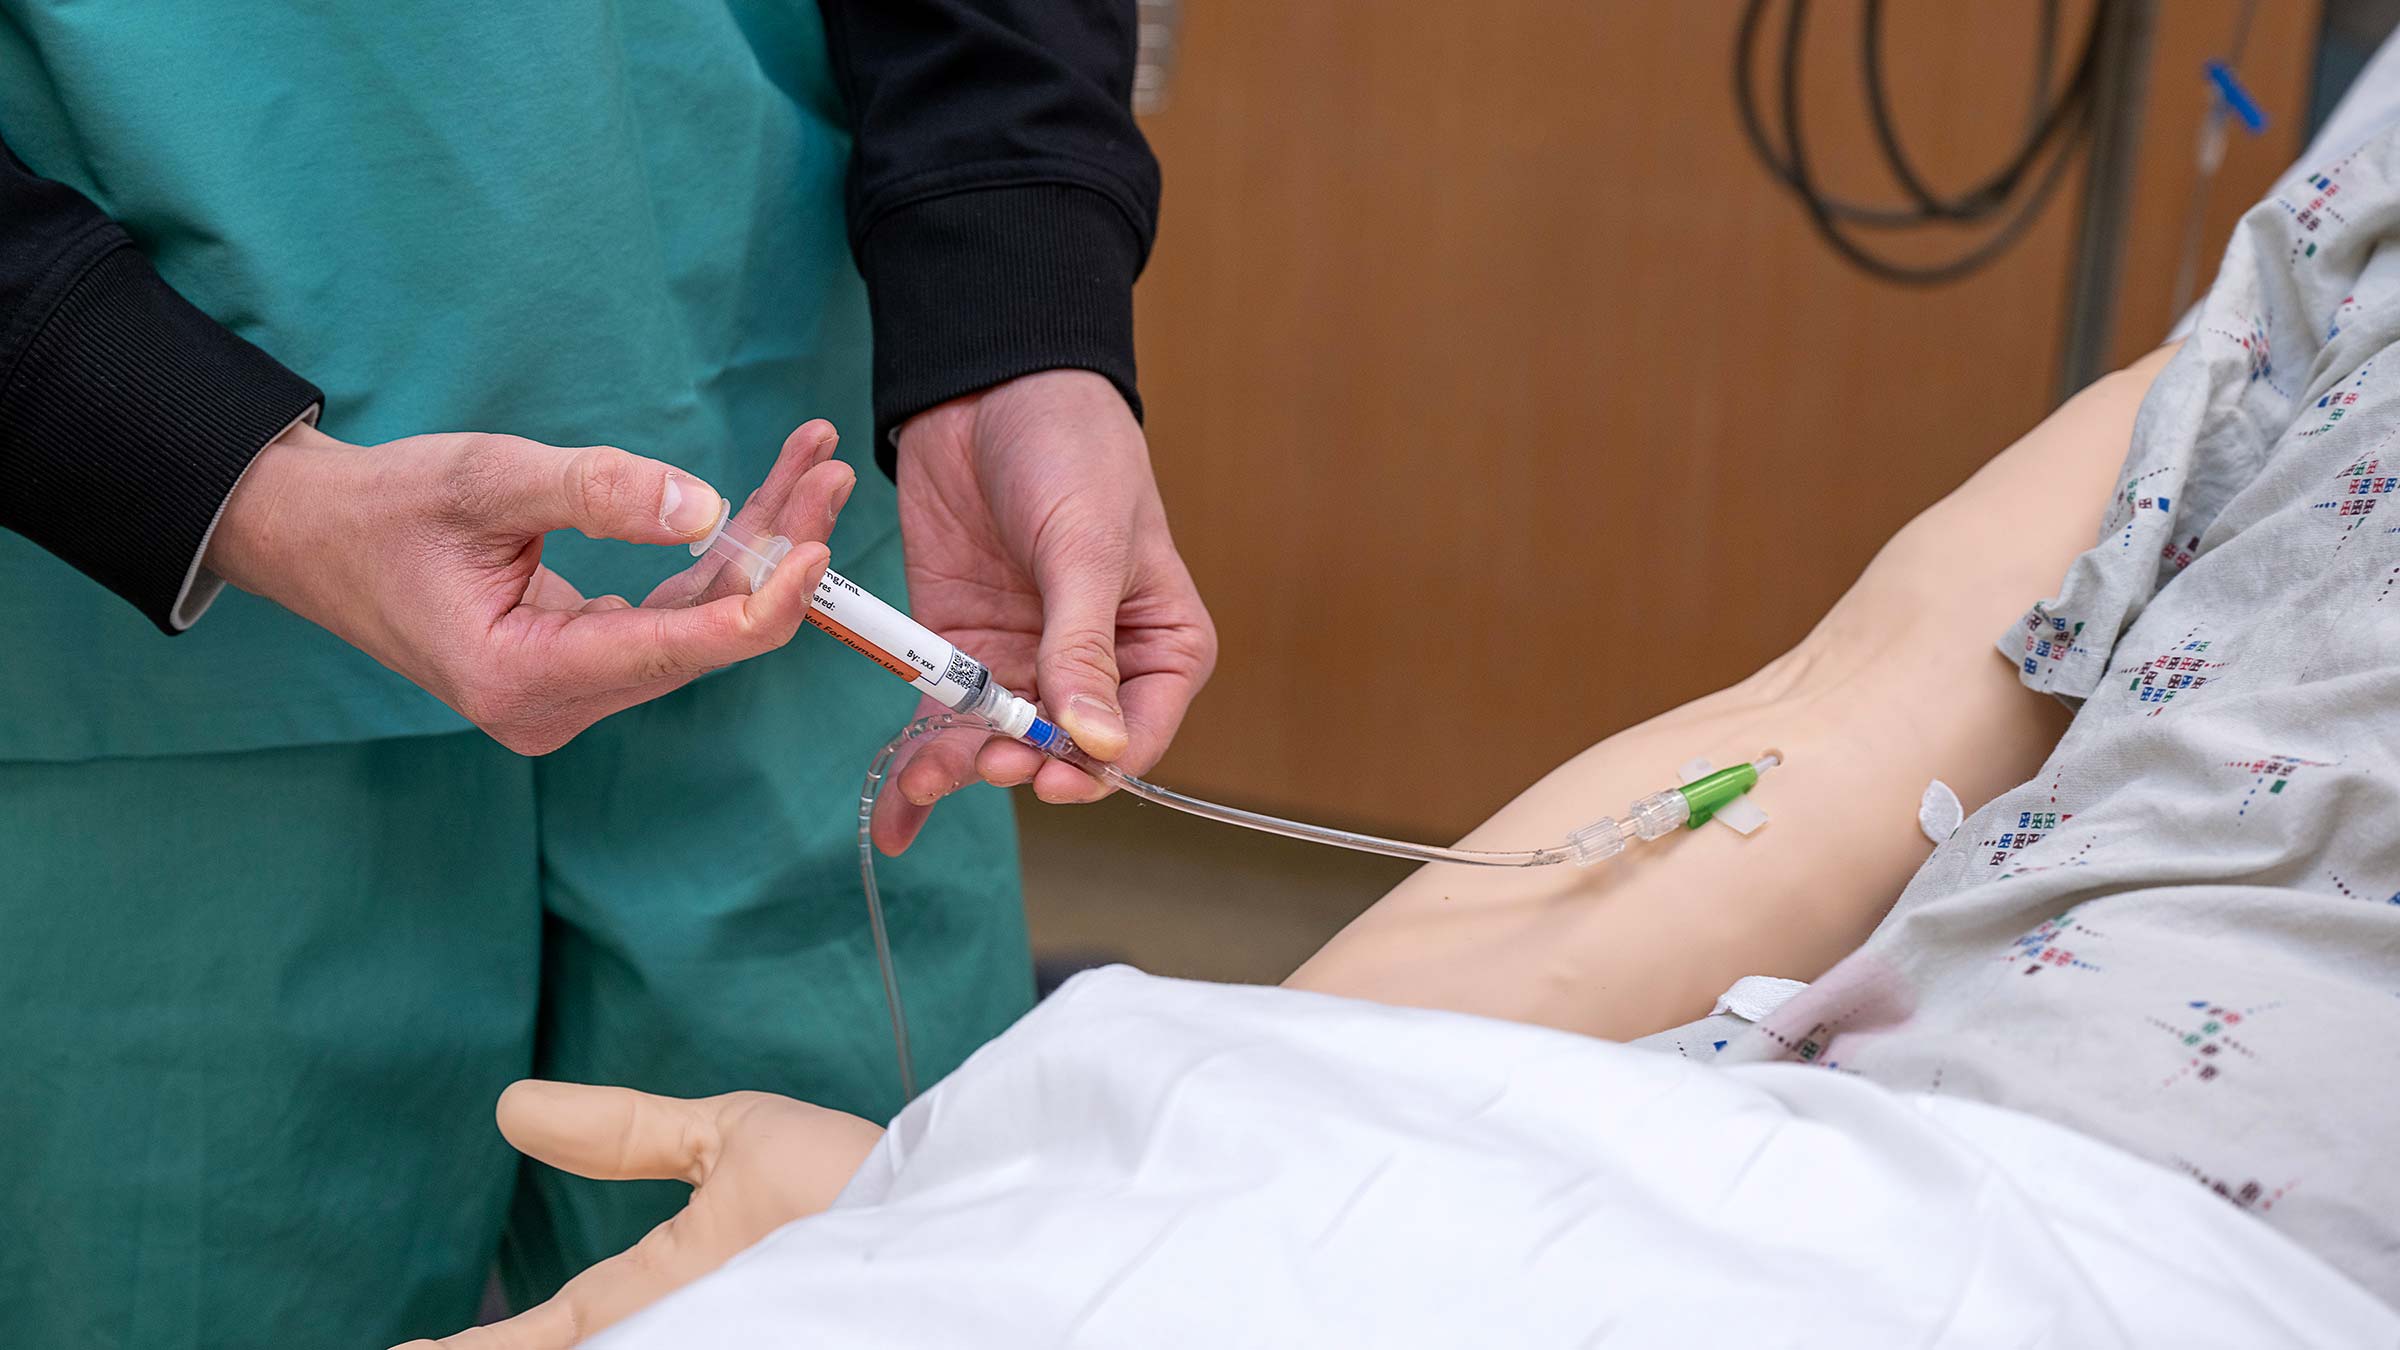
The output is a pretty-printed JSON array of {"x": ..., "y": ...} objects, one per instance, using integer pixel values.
[{"x": 2237, "y": 99}]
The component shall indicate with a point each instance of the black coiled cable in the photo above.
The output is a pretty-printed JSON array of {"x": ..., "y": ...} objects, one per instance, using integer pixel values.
[{"x": 2014, "y": 195}]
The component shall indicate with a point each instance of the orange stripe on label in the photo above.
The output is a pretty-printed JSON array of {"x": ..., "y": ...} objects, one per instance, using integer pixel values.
[{"x": 865, "y": 648}]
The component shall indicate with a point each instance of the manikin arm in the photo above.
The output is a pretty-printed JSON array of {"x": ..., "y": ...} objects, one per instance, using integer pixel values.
[{"x": 1898, "y": 685}]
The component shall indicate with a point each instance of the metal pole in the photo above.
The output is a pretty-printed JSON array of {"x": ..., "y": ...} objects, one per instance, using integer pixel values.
[{"x": 2121, "y": 78}]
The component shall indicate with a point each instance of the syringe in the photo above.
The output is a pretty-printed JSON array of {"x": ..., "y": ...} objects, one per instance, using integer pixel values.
[{"x": 893, "y": 640}]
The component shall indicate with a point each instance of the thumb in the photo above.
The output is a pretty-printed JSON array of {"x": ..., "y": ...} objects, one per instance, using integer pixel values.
[
  {"x": 1076, "y": 668},
  {"x": 608, "y": 1133},
  {"x": 600, "y": 490}
]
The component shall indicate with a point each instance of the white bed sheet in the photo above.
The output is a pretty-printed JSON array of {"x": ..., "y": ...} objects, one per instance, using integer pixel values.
[{"x": 1159, "y": 1163}]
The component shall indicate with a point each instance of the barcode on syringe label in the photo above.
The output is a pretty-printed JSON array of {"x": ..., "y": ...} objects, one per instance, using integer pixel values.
[{"x": 965, "y": 671}]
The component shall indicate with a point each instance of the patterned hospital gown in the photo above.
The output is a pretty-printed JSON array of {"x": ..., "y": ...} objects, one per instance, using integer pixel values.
[{"x": 2183, "y": 936}]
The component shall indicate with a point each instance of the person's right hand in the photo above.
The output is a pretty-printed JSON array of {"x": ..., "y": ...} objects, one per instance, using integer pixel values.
[{"x": 426, "y": 554}]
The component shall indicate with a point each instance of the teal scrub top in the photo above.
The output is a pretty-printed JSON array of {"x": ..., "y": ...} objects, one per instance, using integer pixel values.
[{"x": 579, "y": 221}]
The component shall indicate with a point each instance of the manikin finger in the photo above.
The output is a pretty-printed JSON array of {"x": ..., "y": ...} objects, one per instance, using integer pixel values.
[
  {"x": 667, "y": 1258},
  {"x": 609, "y": 1133},
  {"x": 548, "y": 1326}
]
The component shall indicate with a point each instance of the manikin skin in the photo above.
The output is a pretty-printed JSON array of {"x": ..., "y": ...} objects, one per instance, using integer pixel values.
[{"x": 1897, "y": 685}]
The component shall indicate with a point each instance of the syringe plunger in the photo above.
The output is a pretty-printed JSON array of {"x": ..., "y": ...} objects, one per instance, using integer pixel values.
[{"x": 754, "y": 553}]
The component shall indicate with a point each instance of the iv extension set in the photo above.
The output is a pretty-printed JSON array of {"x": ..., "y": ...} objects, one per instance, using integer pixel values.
[{"x": 977, "y": 702}]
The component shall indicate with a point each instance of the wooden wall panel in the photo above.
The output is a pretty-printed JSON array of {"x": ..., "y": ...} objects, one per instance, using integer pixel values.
[{"x": 1500, "y": 399}]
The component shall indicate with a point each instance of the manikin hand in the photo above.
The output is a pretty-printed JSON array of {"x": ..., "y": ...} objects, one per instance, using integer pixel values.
[
  {"x": 426, "y": 554},
  {"x": 755, "y": 1162},
  {"x": 1037, "y": 543}
]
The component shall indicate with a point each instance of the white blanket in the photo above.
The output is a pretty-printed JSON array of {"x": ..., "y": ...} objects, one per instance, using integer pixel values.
[{"x": 1158, "y": 1163}]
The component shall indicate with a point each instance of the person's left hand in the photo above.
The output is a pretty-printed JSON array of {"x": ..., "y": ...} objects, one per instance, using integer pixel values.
[
  {"x": 754, "y": 1161},
  {"x": 1037, "y": 543}
]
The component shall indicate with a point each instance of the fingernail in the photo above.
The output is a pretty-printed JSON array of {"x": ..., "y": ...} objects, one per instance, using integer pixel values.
[
  {"x": 1093, "y": 720},
  {"x": 688, "y": 510},
  {"x": 841, "y": 495}
]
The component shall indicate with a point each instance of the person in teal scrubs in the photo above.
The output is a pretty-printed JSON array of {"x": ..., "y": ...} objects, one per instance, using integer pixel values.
[{"x": 432, "y": 329}]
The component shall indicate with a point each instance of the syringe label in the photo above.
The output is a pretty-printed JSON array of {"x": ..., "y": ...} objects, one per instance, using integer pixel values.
[{"x": 863, "y": 647}]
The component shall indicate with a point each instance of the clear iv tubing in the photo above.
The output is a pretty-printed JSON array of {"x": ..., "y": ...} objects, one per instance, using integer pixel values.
[
  {"x": 1658, "y": 814},
  {"x": 979, "y": 703},
  {"x": 1290, "y": 829}
]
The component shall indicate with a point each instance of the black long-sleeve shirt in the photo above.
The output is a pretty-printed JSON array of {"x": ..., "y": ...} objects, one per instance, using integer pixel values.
[{"x": 1001, "y": 203}]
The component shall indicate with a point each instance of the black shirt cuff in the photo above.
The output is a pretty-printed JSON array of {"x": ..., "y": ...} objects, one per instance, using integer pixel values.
[
  {"x": 127, "y": 421},
  {"x": 983, "y": 285}
]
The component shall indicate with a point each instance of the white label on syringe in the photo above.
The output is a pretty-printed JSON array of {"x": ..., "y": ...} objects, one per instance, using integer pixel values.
[{"x": 894, "y": 641}]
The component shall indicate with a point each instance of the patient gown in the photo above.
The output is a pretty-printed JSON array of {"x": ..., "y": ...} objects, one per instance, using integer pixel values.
[{"x": 2182, "y": 936}]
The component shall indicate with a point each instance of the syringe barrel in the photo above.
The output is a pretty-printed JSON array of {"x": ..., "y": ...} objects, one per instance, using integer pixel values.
[
  {"x": 891, "y": 639},
  {"x": 931, "y": 665},
  {"x": 898, "y": 643}
]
